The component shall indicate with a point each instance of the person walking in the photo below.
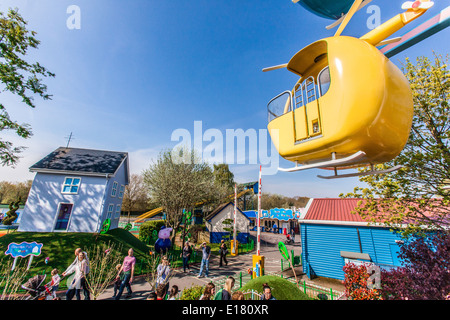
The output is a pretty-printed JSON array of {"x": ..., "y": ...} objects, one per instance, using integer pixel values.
[
  {"x": 209, "y": 292},
  {"x": 75, "y": 285},
  {"x": 226, "y": 292},
  {"x": 117, "y": 281},
  {"x": 163, "y": 272},
  {"x": 83, "y": 282},
  {"x": 223, "y": 253},
  {"x": 206, "y": 254},
  {"x": 267, "y": 293},
  {"x": 54, "y": 284},
  {"x": 173, "y": 292},
  {"x": 186, "y": 255},
  {"x": 128, "y": 274}
]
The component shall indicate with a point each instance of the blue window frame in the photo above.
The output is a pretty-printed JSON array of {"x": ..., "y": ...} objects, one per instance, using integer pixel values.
[{"x": 71, "y": 185}]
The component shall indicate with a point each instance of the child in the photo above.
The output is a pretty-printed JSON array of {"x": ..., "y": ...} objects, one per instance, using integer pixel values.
[
  {"x": 118, "y": 281},
  {"x": 54, "y": 284}
]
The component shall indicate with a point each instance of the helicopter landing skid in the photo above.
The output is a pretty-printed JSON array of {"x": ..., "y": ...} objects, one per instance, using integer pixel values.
[
  {"x": 358, "y": 174},
  {"x": 357, "y": 157}
]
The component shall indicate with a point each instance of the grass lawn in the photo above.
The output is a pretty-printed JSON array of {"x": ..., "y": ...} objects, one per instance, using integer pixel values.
[
  {"x": 282, "y": 289},
  {"x": 60, "y": 247}
]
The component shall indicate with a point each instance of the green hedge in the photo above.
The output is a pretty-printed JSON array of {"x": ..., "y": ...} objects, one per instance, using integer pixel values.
[{"x": 146, "y": 229}]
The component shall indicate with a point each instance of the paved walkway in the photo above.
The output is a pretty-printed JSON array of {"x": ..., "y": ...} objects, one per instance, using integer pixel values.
[{"x": 236, "y": 264}]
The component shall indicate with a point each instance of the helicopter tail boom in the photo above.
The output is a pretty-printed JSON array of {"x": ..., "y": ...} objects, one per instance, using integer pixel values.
[{"x": 394, "y": 24}]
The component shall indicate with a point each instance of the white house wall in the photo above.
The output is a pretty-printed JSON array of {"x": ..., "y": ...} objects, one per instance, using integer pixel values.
[
  {"x": 120, "y": 178},
  {"x": 217, "y": 225},
  {"x": 41, "y": 209}
]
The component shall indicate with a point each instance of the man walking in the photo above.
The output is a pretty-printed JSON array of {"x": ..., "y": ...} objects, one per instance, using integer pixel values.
[{"x": 206, "y": 253}]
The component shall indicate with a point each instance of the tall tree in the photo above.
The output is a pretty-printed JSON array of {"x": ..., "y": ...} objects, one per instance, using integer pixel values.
[
  {"x": 135, "y": 197},
  {"x": 10, "y": 191},
  {"x": 417, "y": 195},
  {"x": 176, "y": 185},
  {"x": 223, "y": 176},
  {"x": 18, "y": 77}
]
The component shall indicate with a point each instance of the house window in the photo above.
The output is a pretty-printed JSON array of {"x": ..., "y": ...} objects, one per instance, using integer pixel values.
[
  {"x": 114, "y": 189},
  {"x": 121, "y": 191},
  {"x": 110, "y": 211},
  {"x": 117, "y": 212},
  {"x": 71, "y": 185}
]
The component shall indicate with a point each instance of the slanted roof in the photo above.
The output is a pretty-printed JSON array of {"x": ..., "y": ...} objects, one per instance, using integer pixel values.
[
  {"x": 220, "y": 208},
  {"x": 82, "y": 161},
  {"x": 333, "y": 209},
  {"x": 250, "y": 213}
]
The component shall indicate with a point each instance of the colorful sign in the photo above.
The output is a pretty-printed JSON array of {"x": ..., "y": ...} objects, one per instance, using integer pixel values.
[{"x": 24, "y": 249}]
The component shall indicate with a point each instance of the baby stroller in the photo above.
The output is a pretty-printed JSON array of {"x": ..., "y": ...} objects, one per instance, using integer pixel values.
[{"x": 36, "y": 289}]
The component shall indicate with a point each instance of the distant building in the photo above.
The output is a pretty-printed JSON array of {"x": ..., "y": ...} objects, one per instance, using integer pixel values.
[
  {"x": 275, "y": 220},
  {"x": 332, "y": 235},
  {"x": 215, "y": 225},
  {"x": 76, "y": 190}
]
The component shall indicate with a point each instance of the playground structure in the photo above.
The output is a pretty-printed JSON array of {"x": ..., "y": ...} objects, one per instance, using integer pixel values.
[
  {"x": 352, "y": 107},
  {"x": 154, "y": 212}
]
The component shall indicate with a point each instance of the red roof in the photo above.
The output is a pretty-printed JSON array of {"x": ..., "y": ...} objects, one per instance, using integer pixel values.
[{"x": 330, "y": 209}]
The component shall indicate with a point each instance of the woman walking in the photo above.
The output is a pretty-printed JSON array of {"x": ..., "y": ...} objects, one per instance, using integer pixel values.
[
  {"x": 209, "y": 292},
  {"x": 80, "y": 269},
  {"x": 186, "y": 255}
]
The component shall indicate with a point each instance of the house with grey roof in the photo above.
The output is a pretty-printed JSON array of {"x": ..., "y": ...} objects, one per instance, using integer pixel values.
[
  {"x": 214, "y": 222},
  {"x": 76, "y": 190}
]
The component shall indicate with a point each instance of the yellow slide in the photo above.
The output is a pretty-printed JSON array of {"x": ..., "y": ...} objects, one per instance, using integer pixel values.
[
  {"x": 149, "y": 214},
  {"x": 154, "y": 212}
]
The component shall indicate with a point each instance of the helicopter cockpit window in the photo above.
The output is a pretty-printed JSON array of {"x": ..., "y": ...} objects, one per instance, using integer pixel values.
[
  {"x": 324, "y": 80},
  {"x": 280, "y": 105}
]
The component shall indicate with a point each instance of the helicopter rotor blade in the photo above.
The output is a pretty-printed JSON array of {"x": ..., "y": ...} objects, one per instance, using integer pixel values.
[
  {"x": 280, "y": 66},
  {"x": 348, "y": 16},
  {"x": 388, "y": 41},
  {"x": 337, "y": 22}
]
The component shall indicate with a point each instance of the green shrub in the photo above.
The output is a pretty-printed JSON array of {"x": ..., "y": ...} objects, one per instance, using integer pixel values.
[
  {"x": 192, "y": 293},
  {"x": 282, "y": 289},
  {"x": 146, "y": 229}
]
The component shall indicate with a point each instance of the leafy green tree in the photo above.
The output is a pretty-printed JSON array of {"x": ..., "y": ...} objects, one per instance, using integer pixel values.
[
  {"x": 418, "y": 194},
  {"x": 176, "y": 185},
  {"x": 223, "y": 176},
  {"x": 10, "y": 191},
  {"x": 18, "y": 77}
]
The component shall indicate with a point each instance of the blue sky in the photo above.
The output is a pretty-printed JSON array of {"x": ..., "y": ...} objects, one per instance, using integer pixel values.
[{"x": 137, "y": 70}]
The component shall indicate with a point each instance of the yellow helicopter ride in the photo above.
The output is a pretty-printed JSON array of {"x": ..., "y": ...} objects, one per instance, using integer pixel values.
[{"x": 351, "y": 107}]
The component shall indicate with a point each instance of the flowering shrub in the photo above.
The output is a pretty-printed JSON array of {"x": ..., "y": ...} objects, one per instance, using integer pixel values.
[
  {"x": 356, "y": 283},
  {"x": 424, "y": 274}
]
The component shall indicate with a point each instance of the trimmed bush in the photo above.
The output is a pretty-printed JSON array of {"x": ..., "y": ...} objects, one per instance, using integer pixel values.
[
  {"x": 146, "y": 229},
  {"x": 282, "y": 289},
  {"x": 192, "y": 293}
]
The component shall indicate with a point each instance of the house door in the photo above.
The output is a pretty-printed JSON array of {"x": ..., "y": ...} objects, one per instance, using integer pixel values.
[{"x": 62, "y": 221}]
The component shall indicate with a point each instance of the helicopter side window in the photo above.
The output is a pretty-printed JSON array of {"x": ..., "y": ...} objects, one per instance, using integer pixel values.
[
  {"x": 299, "y": 96},
  {"x": 310, "y": 89},
  {"x": 324, "y": 80},
  {"x": 279, "y": 105}
]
